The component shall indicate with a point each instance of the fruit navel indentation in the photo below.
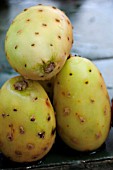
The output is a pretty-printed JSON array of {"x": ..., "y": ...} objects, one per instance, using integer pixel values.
[
  {"x": 21, "y": 85},
  {"x": 49, "y": 68}
]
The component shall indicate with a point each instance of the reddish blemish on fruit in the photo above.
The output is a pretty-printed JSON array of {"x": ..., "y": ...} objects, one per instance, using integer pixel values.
[
  {"x": 74, "y": 140},
  {"x": 47, "y": 102},
  {"x": 35, "y": 156},
  {"x": 45, "y": 148}
]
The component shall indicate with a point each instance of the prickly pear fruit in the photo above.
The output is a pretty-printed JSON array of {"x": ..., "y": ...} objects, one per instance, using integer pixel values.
[
  {"x": 48, "y": 86},
  {"x": 27, "y": 121},
  {"x": 38, "y": 42},
  {"x": 82, "y": 105}
]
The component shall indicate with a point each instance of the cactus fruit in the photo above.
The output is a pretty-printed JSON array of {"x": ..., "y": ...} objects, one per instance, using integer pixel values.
[
  {"x": 82, "y": 105},
  {"x": 38, "y": 42},
  {"x": 48, "y": 86},
  {"x": 27, "y": 120}
]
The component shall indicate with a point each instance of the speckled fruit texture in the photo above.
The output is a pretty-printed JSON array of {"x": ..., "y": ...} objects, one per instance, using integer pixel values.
[
  {"x": 82, "y": 105},
  {"x": 27, "y": 120},
  {"x": 38, "y": 42}
]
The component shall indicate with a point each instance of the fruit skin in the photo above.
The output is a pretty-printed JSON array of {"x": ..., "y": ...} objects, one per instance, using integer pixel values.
[
  {"x": 82, "y": 105},
  {"x": 38, "y": 42},
  {"x": 27, "y": 120},
  {"x": 48, "y": 86}
]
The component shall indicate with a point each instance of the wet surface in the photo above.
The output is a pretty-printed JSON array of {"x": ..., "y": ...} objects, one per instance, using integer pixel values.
[{"x": 93, "y": 38}]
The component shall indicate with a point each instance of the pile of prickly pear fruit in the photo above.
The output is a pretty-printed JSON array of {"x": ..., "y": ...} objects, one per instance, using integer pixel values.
[{"x": 37, "y": 46}]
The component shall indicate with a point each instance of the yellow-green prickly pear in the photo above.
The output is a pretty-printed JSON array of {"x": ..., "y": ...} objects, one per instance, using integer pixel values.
[
  {"x": 48, "y": 86},
  {"x": 27, "y": 121},
  {"x": 82, "y": 105},
  {"x": 39, "y": 41}
]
